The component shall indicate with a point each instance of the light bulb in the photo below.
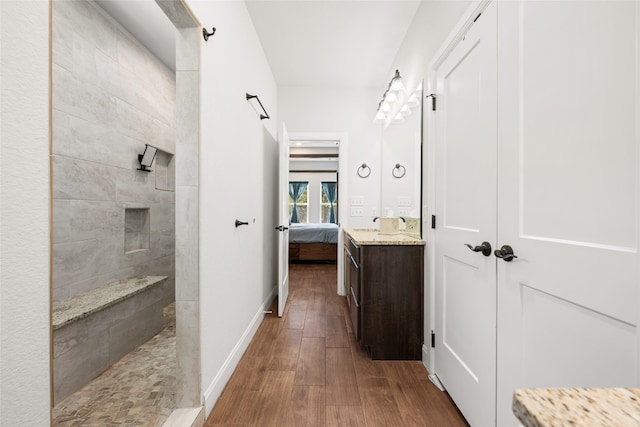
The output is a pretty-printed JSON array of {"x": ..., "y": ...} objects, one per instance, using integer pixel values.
[
  {"x": 397, "y": 85},
  {"x": 413, "y": 100}
]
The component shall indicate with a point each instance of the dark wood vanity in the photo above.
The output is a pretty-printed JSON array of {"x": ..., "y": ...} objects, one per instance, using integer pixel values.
[{"x": 384, "y": 278}]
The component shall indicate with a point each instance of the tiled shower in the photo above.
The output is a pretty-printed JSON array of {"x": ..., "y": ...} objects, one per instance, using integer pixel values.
[{"x": 110, "y": 220}]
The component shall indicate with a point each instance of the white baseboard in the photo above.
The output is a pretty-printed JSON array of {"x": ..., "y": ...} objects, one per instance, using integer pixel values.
[
  {"x": 214, "y": 390},
  {"x": 426, "y": 360}
]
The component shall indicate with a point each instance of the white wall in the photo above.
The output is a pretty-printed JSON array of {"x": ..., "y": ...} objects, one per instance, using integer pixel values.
[
  {"x": 24, "y": 214},
  {"x": 432, "y": 24},
  {"x": 345, "y": 110},
  {"x": 238, "y": 175},
  {"x": 315, "y": 181}
]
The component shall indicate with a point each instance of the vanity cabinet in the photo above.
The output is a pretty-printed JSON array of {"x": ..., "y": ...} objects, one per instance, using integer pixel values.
[{"x": 384, "y": 279}]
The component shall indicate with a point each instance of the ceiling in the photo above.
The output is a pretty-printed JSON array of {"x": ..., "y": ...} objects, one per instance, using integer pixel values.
[{"x": 327, "y": 43}]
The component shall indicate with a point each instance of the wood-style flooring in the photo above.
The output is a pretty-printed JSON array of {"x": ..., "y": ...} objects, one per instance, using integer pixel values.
[{"x": 306, "y": 369}]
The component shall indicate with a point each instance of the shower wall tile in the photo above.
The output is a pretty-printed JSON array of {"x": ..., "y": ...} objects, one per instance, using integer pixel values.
[
  {"x": 76, "y": 261},
  {"x": 82, "y": 98},
  {"x": 187, "y": 244},
  {"x": 163, "y": 216},
  {"x": 69, "y": 373},
  {"x": 62, "y": 40},
  {"x": 140, "y": 187},
  {"x": 85, "y": 219},
  {"x": 85, "y": 21},
  {"x": 145, "y": 97},
  {"x": 188, "y": 49},
  {"x": 82, "y": 180},
  {"x": 110, "y": 97},
  {"x": 80, "y": 139},
  {"x": 187, "y": 160},
  {"x": 143, "y": 324},
  {"x": 188, "y": 353},
  {"x": 162, "y": 267}
]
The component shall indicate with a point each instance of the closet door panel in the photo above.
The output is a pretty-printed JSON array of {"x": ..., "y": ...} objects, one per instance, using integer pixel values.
[
  {"x": 465, "y": 281},
  {"x": 568, "y": 190}
]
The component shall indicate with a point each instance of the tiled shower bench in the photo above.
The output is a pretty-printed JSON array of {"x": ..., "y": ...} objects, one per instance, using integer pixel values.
[{"x": 93, "y": 330}]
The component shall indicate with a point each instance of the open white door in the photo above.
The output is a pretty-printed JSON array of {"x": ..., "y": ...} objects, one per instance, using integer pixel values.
[
  {"x": 466, "y": 144},
  {"x": 283, "y": 217}
]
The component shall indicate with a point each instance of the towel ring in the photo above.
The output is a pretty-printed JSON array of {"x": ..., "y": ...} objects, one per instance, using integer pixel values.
[
  {"x": 398, "y": 168},
  {"x": 365, "y": 169}
]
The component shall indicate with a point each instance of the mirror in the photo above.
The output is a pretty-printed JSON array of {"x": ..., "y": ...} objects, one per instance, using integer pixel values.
[{"x": 402, "y": 164}]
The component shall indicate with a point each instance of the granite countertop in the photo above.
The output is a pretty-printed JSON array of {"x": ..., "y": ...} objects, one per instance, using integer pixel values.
[
  {"x": 373, "y": 237},
  {"x": 81, "y": 306},
  {"x": 605, "y": 407}
]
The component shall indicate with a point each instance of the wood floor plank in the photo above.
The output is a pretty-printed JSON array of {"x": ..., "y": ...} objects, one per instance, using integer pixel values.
[
  {"x": 307, "y": 406},
  {"x": 335, "y": 305},
  {"x": 272, "y": 405},
  {"x": 336, "y": 331},
  {"x": 234, "y": 407},
  {"x": 264, "y": 338},
  {"x": 379, "y": 404},
  {"x": 311, "y": 362},
  {"x": 284, "y": 356},
  {"x": 364, "y": 366},
  {"x": 345, "y": 416},
  {"x": 342, "y": 387},
  {"x": 315, "y": 324},
  {"x": 295, "y": 317}
]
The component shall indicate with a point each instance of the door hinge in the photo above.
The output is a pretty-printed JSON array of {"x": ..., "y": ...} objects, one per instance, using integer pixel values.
[
  {"x": 433, "y": 101},
  {"x": 433, "y": 339},
  {"x": 433, "y": 221}
]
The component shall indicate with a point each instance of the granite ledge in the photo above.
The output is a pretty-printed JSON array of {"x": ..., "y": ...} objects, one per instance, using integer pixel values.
[
  {"x": 87, "y": 303},
  {"x": 373, "y": 237},
  {"x": 597, "y": 407}
]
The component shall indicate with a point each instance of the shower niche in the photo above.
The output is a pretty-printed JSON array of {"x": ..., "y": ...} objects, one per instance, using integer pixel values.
[{"x": 136, "y": 230}]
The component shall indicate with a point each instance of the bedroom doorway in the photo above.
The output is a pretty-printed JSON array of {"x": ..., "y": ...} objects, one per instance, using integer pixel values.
[{"x": 316, "y": 192}]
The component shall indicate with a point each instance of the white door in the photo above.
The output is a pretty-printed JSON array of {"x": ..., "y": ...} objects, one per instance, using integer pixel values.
[
  {"x": 465, "y": 119},
  {"x": 568, "y": 196},
  {"x": 283, "y": 216}
]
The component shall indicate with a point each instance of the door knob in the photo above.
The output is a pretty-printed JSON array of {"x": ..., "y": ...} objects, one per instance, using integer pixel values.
[
  {"x": 506, "y": 253},
  {"x": 485, "y": 248}
]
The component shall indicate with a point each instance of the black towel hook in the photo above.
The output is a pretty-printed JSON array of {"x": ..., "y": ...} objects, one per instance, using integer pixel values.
[{"x": 206, "y": 34}]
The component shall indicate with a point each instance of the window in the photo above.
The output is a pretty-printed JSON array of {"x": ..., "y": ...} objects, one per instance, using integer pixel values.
[
  {"x": 298, "y": 202},
  {"x": 329, "y": 202}
]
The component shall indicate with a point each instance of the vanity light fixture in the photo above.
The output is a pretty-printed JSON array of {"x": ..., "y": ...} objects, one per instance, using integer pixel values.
[
  {"x": 146, "y": 158},
  {"x": 390, "y": 97}
]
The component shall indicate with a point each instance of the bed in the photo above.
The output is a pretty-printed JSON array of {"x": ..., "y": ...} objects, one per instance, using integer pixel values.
[{"x": 313, "y": 242}]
